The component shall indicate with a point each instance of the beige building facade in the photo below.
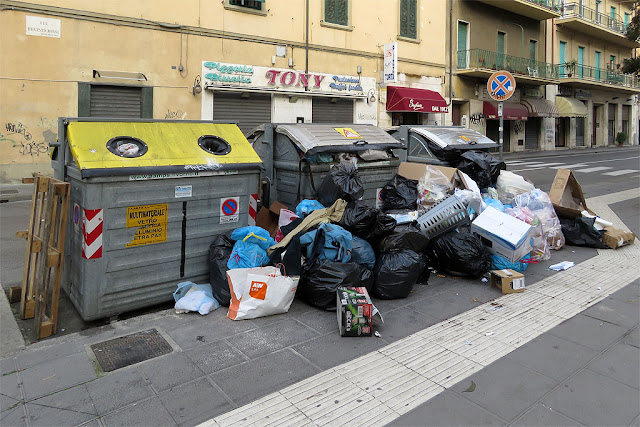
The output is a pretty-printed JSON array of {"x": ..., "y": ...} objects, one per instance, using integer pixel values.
[{"x": 249, "y": 61}]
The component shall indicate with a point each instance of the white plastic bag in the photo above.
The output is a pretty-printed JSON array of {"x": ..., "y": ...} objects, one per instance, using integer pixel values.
[
  {"x": 433, "y": 186},
  {"x": 258, "y": 292},
  {"x": 192, "y": 297},
  {"x": 510, "y": 185}
]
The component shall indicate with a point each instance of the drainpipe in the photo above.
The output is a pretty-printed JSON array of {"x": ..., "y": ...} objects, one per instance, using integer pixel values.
[
  {"x": 450, "y": 52},
  {"x": 306, "y": 43}
]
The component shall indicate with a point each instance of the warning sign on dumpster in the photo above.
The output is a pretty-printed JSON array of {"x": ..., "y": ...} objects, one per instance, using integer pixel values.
[
  {"x": 229, "y": 211},
  {"x": 151, "y": 224}
]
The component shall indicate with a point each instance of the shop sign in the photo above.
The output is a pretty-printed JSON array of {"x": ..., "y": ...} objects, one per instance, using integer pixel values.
[
  {"x": 290, "y": 78},
  {"x": 346, "y": 83},
  {"x": 390, "y": 73},
  {"x": 228, "y": 73}
]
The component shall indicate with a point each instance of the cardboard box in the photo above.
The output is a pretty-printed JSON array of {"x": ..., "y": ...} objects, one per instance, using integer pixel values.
[
  {"x": 417, "y": 171},
  {"x": 268, "y": 218},
  {"x": 509, "y": 281},
  {"x": 566, "y": 195},
  {"x": 503, "y": 234},
  {"x": 616, "y": 238},
  {"x": 355, "y": 312}
]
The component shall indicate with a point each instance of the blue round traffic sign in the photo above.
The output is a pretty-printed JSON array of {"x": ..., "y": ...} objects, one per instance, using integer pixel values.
[
  {"x": 501, "y": 85},
  {"x": 229, "y": 207}
]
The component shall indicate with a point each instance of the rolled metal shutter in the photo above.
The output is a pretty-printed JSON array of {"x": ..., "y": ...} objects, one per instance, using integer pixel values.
[
  {"x": 249, "y": 112},
  {"x": 531, "y": 133},
  {"x": 326, "y": 111},
  {"x": 116, "y": 102},
  {"x": 580, "y": 131}
]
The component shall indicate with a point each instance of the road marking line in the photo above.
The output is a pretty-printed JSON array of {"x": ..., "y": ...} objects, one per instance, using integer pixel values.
[
  {"x": 620, "y": 172},
  {"x": 596, "y": 169},
  {"x": 577, "y": 165},
  {"x": 419, "y": 361}
]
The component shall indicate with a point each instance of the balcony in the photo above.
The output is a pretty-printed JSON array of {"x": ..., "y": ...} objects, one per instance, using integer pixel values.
[
  {"x": 535, "y": 9},
  {"x": 587, "y": 21},
  {"x": 482, "y": 63},
  {"x": 591, "y": 77}
]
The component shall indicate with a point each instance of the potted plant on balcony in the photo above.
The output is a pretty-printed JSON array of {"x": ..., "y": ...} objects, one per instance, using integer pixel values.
[{"x": 570, "y": 67}]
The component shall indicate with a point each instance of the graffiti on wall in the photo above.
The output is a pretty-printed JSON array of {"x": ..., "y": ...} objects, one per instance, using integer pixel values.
[
  {"x": 175, "y": 115},
  {"x": 518, "y": 127},
  {"x": 21, "y": 137},
  {"x": 477, "y": 119}
]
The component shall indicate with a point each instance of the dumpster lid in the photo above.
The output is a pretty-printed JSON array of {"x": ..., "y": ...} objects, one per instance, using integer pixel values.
[
  {"x": 454, "y": 137},
  {"x": 317, "y": 138},
  {"x": 123, "y": 148}
]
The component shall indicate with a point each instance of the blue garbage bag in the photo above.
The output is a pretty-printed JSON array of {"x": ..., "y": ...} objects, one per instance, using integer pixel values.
[
  {"x": 247, "y": 255},
  {"x": 362, "y": 253},
  {"x": 307, "y": 206},
  {"x": 501, "y": 263},
  {"x": 337, "y": 244},
  {"x": 494, "y": 203},
  {"x": 252, "y": 234}
]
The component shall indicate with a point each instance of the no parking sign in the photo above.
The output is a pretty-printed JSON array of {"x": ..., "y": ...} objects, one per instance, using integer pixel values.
[
  {"x": 229, "y": 211},
  {"x": 501, "y": 85}
]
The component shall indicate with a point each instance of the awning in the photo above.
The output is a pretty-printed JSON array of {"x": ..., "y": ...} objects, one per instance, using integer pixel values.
[
  {"x": 570, "y": 107},
  {"x": 540, "y": 107},
  {"x": 511, "y": 111},
  {"x": 415, "y": 100}
]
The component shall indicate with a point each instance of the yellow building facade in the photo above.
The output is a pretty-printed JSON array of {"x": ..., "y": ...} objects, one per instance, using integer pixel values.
[{"x": 249, "y": 61}]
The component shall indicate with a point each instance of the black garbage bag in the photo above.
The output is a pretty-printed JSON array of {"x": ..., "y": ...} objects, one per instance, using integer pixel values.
[
  {"x": 404, "y": 236},
  {"x": 385, "y": 224},
  {"x": 496, "y": 166},
  {"x": 461, "y": 254},
  {"x": 321, "y": 278},
  {"x": 477, "y": 164},
  {"x": 359, "y": 219},
  {"x": 219, "y": 252},
  {"x": 396, "y": 273},
  {"x": 400, "y": 193},
  {"x": 580, "y": 232},
  {"x": 342, "y": 182}
]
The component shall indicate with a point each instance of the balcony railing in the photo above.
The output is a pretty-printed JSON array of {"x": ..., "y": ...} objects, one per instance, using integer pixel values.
[
  {"x": 549, "y": 4},
  {"x": 481, "y": 58},
  {"x": 599, "y": 75},
  {"x": 575, "y": 10}
]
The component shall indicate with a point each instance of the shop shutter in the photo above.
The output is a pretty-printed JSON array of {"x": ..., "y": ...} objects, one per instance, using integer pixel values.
[
  {"x": 493, "y": 132},
  {"x": 336, "y": 12},
  {"x": 249, "y": 112},
  {"x": 408, "y": 19},
  {"x": 531, "y": 133},
  {"x": 116, "y": 102},
  {"x": 326, "y": 111}
]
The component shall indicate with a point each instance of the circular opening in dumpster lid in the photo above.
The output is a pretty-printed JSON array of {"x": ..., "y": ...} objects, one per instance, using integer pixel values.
[
  {"x": 214, "y": 145},
  {"x": 127, "y": 146}
]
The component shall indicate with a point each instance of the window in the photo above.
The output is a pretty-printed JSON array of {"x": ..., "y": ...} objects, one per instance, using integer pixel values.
[
  {"x": 409, "y": 19},
  {"x": 251, "y": 6},
  {"x": 463, "y": 53},
  {"x": 580, "y": 61},
  {"x": 612, "y": 62},
  {"x": 532, "y": 50},
  {"x": 626, "y": 18},
  {"x": 500, "y": 49},
  {"x": 613, "y": 12},
  {"x": 596, "y": 64},
  {"x": 336, "y": 12}
]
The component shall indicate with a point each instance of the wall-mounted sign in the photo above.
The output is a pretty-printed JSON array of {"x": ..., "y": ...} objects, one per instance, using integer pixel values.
[
  {"x": 290, "y": 78},
  {"x": 346, "y": 83},
  {"x": 150, "y": 222},
  {"x": 43, "y": 27},
  {"x": 390, "y": 73},
  {"x": 231, "y": 73}
]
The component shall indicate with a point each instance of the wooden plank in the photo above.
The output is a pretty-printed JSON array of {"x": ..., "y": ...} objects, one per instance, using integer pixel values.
[
  {"x": 36, "y": 245},
  {"x": 45, "y": 329},
  {"x": 26, "y": 273},
  {"x": 42, "y": 272},
  {"x": 53, "y": 256},
  {"x": 43, "y": 184},
  {"x": 62, "y": 231},
  {"x": 22, "y": 234},
  {"x": 29, "y": 309},
  {"x": 14, "y": 294},
  {"x": 28, "y": 180}
]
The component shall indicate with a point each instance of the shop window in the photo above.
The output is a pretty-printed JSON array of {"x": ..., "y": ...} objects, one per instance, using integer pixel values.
[
  {"x": 409, "y": 19},
  {"x": 336, "y": 12},
  {"x": 251, "y": 6}
]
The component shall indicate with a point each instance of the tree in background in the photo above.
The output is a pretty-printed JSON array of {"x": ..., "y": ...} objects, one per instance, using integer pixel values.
[{"x": 632, "y": 65}]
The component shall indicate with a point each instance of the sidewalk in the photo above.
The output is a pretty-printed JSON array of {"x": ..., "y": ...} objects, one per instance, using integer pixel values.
[{"x": 295, "y": 368}]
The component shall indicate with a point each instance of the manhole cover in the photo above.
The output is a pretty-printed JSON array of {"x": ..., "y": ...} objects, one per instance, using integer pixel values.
[
  {"x": 124, "y": 351},
  {"x": 6, "y": 192}
]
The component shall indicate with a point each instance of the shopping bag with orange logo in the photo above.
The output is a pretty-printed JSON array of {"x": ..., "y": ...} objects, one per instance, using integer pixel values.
[{"x": 259, "y": 291}]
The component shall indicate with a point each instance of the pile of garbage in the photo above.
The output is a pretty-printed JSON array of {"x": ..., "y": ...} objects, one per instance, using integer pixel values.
[{"x": 478, "y": 220}]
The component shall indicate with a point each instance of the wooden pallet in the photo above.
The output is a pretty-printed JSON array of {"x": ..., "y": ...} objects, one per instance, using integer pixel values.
[{"x": 42, "y": 271}]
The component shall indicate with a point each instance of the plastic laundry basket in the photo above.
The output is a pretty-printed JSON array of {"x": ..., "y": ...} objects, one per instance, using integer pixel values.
[{"x": 444, "y": 216}]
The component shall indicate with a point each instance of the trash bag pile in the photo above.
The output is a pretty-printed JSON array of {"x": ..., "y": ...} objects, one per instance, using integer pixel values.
[{"x": 484, "y": 218}]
